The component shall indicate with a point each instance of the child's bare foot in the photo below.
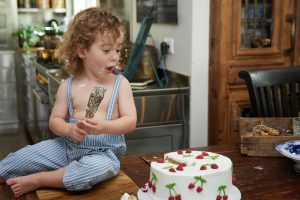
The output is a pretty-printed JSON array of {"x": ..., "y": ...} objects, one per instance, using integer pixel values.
[
  {"x": 23, "y": 184},
  {"x": 2, "y": 180}
]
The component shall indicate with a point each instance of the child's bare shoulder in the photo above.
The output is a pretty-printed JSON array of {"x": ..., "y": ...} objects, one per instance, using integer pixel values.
[
  {"x": 61, "y": 92},
  {"x": 124, "y": 82},
  {"x": 125, "y": 88}
]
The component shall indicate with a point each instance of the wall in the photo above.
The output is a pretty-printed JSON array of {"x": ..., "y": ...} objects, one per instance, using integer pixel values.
[{"x": 191, "y": 56}]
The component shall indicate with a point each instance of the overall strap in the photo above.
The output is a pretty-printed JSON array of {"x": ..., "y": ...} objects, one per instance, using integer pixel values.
[
  {"x": 70, "y": 105},
  {"x": 113, "y": 97}
]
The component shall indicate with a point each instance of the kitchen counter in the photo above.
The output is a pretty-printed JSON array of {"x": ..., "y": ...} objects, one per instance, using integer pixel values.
[
  {"x": 162, "y": 113},
  {"x": 178, "y": 83}
]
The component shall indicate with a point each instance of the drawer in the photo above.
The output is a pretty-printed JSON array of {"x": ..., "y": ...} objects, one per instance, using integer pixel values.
[
  {"x": 7, "y": 75},
  {"x": 8, "y": 110},
  {"x": 159, "y": 109},
  {"x": 8, "y": 91},
  {"x": 155, "y": 138}
]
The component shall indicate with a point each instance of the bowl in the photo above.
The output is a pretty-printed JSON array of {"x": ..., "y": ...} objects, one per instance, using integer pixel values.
[{"x": 291, "y": 149}]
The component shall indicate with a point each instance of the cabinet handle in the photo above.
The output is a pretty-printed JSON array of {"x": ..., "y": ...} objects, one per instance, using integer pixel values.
[{"x": 290, "y": 18}]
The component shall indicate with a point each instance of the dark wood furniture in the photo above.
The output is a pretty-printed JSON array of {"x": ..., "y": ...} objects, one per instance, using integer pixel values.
[
  {"x": 273, "y": 92},
  {"x": 262, "y": 178},
  {"x": 240, "y": 32}
]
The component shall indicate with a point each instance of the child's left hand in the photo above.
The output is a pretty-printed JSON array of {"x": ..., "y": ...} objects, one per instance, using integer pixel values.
[{"x": 92, "y": 126}]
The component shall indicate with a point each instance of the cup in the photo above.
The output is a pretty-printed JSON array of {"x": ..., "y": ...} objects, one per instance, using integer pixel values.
[{"x": 296, "y": 126}]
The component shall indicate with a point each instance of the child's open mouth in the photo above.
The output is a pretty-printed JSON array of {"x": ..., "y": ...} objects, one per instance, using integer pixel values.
[{"x": 109, "y": 69}]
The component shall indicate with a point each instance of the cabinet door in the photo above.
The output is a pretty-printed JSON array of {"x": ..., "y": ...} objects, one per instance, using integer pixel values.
[
  {"x": 8, "y": 23},
  {"x": 245, "y": 34}
]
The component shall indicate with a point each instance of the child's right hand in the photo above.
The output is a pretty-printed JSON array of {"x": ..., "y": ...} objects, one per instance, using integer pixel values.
[{"x": 77, "y": 133}]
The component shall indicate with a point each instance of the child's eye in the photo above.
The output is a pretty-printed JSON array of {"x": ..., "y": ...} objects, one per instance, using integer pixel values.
[
  {"x": 106, "y": 50},
  {"x": 118, "y": 50}
]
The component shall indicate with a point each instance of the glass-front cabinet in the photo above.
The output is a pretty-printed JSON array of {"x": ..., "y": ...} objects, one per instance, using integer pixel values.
[
  {"x": 245, "y": 35},
  {"x": 256, "y": 23},
  {"x": 259, "y": 25}
]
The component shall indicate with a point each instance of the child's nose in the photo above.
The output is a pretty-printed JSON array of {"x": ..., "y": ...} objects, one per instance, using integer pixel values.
[{"x": 116, "y": 55}]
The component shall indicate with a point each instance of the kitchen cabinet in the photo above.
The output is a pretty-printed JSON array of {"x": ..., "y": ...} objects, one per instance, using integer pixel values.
[
  {"x": 244, "y": 35},
  {"x": 8, "y": 98},
  {"x": 33, "y": 102}
]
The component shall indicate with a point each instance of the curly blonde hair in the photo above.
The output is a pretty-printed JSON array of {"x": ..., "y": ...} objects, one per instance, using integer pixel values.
[{"x": 82, "y": 32}]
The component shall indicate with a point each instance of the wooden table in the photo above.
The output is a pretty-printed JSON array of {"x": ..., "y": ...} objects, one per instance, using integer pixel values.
[{"x": 258, "y": 178}]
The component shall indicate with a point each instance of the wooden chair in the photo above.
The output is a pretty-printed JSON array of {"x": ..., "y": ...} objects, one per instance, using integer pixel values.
[{"x": 273, "y": 92}]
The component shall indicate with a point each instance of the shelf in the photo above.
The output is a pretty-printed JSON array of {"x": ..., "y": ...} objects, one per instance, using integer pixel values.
[{"x": 36, "y": 10}]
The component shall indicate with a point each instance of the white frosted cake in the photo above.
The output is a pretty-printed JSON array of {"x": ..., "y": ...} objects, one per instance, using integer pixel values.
[{"x": 191, "y": 175}]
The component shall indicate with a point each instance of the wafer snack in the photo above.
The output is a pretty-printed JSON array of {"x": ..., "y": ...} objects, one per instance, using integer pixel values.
[
  {"x": 95, "y": 99},
  {"x": 262, "y": 130}
]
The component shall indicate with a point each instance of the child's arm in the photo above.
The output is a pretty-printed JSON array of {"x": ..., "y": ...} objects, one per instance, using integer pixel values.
[
  {"x": 57, "y": 123},
  {"x": 127, "y": 110}
]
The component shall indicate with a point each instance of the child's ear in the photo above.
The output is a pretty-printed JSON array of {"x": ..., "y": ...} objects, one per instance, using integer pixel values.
[{"x": 80, "y": 51}]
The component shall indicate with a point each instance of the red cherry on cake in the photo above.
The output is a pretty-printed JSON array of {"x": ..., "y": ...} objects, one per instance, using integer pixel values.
[
  {"x": 179, "y": 152},
  {"x": 188, "y": 151},
  {"x": 178, "y": 197},
  {"x": 199, "y": 157},
  {"x": 172, "y": 170},
  {"x": 225, "y": 197},
  {"x": 191, "y": 186},
  {"x": 214, "y": 166},
  {"x": 160, "y": 161},
  {"x": 204, "y": 153},
  {"x": 150, "y": 184},
  {"x": 154, "y": 188},
  {"x": 219, "y": 197},
  {"x": 203, "y": 167},
  {"x": 182, "y": 164},
  {"x": 179, "y": 168},
  {"x": 199, "y": 189},
  {"x": 171, "y": 198}
]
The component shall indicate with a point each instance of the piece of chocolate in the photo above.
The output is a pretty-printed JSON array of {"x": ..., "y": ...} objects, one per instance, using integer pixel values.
[{"x": 95, "y": 99}]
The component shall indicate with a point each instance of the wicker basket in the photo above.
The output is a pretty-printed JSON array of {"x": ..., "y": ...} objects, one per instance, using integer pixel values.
[{"x": 264, "y": 146}]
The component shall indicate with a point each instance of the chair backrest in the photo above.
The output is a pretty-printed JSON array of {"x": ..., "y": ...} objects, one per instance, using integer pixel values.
[{"x": 273, "y": 92}]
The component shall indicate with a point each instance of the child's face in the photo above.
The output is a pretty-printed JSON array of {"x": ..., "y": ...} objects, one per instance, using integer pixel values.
[{"x": 104, "y": 53}]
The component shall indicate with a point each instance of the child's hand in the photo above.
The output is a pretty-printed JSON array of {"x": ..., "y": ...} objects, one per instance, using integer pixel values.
[
  {"x": 92, "y": 126},
  {"x": 77, "y": 133}
]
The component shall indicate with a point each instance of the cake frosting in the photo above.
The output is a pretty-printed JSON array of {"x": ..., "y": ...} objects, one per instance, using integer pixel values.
[{"x": 191, "y": 175}]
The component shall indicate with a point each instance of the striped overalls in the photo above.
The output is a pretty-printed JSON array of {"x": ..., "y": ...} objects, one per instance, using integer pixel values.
[{"x": 93, "y": 160}]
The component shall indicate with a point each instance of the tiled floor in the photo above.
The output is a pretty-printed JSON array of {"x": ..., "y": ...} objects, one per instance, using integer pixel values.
[{"x": 11, "y": 141}]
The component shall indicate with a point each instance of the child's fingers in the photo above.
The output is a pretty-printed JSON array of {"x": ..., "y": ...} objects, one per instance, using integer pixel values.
[
  {"x": 79, "y": 123},
  {"x": 91, "y": 121}
]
